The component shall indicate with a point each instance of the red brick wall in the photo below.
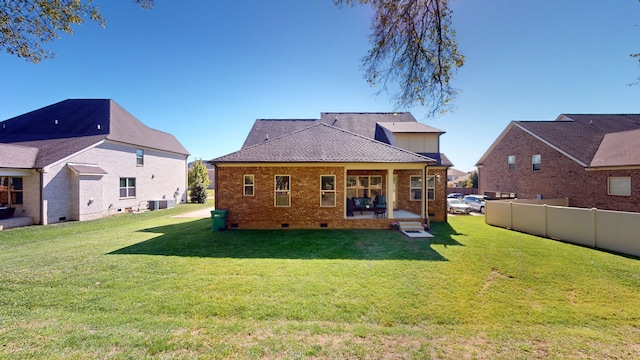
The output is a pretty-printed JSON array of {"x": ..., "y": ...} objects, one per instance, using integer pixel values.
[
  {"x": 258, "y": 211},
  {"x": 559, "y": 176}
]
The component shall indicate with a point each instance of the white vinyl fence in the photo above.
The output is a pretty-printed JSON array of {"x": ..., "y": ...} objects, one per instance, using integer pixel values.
[{"x": 610, "y": 230}]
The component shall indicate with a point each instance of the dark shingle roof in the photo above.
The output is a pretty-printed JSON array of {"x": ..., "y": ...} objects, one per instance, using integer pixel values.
[
  {"x": 322, "y": 143},
  {"x": 265, "y": 129},
  {"x": 15, "y": 156},
  {"x": 363, "y": 123},
  {"x": 618, "y": 149},
  {"x": 53, "y": 150},
  {"x": 580, "y": 135},
  {"x": 69, "y": 126},
  {"x": 86, "y": 117}
]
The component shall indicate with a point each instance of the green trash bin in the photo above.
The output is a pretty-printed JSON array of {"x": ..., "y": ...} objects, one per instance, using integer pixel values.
[{"x": 219, "y": 220}]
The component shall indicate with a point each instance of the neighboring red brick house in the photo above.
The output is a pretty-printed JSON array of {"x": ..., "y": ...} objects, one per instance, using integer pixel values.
[
  {"x": 305, "y": 173},
  {"x": 591, "y": 159}
]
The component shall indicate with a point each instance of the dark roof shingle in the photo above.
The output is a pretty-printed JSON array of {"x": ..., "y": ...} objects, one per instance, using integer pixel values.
[
  {"x": 322, "y": 143},
  {"x": 580, "y": 135},
  {"x": 69, "y": 126}
]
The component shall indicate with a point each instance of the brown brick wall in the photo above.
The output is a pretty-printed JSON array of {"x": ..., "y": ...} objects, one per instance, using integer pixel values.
[
  {"x": 559, "y": 176},
  {"x": 259, "y": 212}
]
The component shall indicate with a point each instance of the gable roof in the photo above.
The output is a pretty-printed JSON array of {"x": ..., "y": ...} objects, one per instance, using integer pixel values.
[
  {"x": 18, "y": 157},
  {"x": 618, "y": 149},
  {"x": 322, "y": 143},
  {"x": 265, "y": 129},
  {"x": 74, "y": 121},
  {"x": 364, "y": 123},
  {"x": 577, "y": 136},
  {"x": 409, "y": 127}
]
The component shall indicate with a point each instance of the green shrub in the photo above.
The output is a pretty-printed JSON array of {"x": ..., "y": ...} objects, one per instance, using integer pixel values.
[{"x": 198, "y": 193}]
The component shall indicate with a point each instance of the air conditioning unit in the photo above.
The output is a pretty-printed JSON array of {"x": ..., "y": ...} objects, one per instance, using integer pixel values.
[{"x": 161, "y": 204}]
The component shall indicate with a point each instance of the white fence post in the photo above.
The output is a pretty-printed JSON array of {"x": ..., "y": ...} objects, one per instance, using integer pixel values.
[{"x": 594, "y": 217}]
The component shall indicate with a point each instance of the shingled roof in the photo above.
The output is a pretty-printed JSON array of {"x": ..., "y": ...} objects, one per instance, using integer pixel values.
[
  {"x": 580, "y": 136},
  {"x": 322, "y": 143},
  {"x": 18, "y": 157},
  {"x": 69, "y": 126}
]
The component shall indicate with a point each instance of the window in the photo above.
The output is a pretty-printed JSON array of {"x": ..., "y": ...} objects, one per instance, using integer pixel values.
[
  {"x": 139, "y": 157},
  {"x": 10, "y": 190},
  {"x": 248, "y": 185},
  {"x": 327, "y": 190},
  {"x": 431, "y": 187},
  {"x": 283, "y": 190},
  {"x": 535, "y": 162},
  {"x": 364, "y": 186},
  {"x": 416, "y": 188},
  {"x": 620, "y": 186},
  {"x": 511, "y": 160},
  {"x": 127, "y": 187}
]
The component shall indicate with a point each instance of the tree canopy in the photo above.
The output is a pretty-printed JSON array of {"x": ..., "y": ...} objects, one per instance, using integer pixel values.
[
  {"x": 414, "y": 47},
  {"x": 25, "y": 25}
]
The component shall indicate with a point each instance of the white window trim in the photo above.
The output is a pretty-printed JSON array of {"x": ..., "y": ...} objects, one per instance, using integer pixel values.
[
  {"x": 332, "y": 191},
  {"x": 510, "y": 163},
  {"x": 533, "y": 164},
  {"x": 627, "y": 186},
  {"x": 127, "y": 187},
  {"x": 413, "y": 187},
  {"x": 276, "y": 191},
  {"x": 140, "y": 157},
  {"x": 245, "y": 185}
]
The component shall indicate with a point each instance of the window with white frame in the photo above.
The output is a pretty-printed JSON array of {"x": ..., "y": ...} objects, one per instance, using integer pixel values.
[
  {"x": 10, "y": 190},
  {"x": 127, "y": 187},
  {"x": 535, "y": 162},
  {"x": 364, "y": 186},
  {"x": 248, "y": 186},
  {"x": 282, "y": 190},
  {"x": 328, "y": 190},
  {"x": 431, "y": 187},
  {"x": 511, "y": 161},
  {"x": 619, "y": 186},
  {"x": 139, "y": 157},
  {"x": 416, "y": 187}
]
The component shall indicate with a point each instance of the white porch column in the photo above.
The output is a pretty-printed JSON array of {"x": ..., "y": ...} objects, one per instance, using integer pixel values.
[
  {"x": 425, "y": 198},
  {"x": 390, "y": 192}
]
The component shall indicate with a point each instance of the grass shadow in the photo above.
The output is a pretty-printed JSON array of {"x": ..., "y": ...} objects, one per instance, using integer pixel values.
[
  {"x": 195, "y": 239},
  {"x": 443, "y": 235}
]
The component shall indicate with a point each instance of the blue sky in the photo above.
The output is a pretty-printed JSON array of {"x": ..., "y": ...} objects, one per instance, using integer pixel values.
[{"x": 205, "y": 70}]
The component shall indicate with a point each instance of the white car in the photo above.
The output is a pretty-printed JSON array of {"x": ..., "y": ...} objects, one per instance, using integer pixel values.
[{"x": 457, "y": 206}]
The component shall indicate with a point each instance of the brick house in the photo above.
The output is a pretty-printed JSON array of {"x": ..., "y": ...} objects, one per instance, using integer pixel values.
[
  {"x": 82, "y": 159},
  {"x": 593, "y": 160},
  {"x": 305, "y": 173}
]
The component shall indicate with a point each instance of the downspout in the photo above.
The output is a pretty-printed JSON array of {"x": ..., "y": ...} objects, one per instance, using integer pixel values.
[
  {"x": 41, "y": 190},
  {"x": 215, "y": 186}
]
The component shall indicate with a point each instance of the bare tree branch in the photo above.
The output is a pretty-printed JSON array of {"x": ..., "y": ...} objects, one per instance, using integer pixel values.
[
  {"x": 413, "y": 47},
  {"x": 25, "y": 25}
]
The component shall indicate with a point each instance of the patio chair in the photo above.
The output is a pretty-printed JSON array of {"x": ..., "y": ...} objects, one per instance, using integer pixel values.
[{"x": 380, "y": 202}]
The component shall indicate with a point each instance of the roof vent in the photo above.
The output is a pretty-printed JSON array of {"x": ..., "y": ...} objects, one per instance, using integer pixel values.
[
  {"x": 98, "y": 126},
  {"x": 266, "y": 138},
  {"x": 335, "y": 121}
]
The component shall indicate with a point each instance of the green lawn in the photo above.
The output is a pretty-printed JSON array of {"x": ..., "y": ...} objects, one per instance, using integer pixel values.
[{"x": 152, "y": 286}]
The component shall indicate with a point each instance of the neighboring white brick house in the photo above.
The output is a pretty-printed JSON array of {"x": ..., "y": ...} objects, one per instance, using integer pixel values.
[{"x": 93, "y": 159}]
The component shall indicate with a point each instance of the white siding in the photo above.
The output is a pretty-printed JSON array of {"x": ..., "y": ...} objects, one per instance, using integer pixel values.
[{"x": 163, "y": 176}]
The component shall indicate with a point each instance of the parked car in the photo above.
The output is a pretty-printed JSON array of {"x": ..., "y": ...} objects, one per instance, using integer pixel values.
[
  {"x": 476, "y": 202},
  {"x": 457, "y": 206},
  {"x": 455, "y": 196}
]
